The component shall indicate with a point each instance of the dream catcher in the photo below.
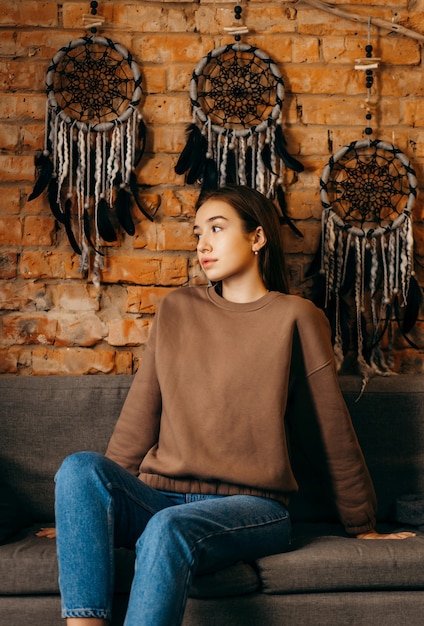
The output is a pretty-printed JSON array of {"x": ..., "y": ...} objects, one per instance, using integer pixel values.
[
  {"x": 237, "y": 93},
  {"x": 368, "y": 190},
  {"x": 94, "y": 139}
]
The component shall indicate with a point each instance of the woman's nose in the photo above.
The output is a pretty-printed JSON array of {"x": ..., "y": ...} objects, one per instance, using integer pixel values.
[{"x": 203, "y": 244}]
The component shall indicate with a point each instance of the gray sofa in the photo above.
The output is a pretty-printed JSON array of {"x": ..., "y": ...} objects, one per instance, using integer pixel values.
[{"x": 327, "y": 579}]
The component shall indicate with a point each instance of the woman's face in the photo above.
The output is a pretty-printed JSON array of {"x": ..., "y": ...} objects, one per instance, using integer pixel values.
[{"x": 225, "y": 250}]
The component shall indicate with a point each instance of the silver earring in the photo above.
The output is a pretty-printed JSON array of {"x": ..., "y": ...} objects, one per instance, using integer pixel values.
[{"x": 256, "y": 252}]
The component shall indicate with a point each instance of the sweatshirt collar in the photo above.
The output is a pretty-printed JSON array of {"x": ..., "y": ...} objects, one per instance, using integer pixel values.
[{"x": 219, "y": 301}]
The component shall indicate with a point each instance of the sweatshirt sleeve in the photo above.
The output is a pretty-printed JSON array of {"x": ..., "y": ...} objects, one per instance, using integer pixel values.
[
  {"x": 351, "y": 483},
  {"x": 137, "y": 428}
]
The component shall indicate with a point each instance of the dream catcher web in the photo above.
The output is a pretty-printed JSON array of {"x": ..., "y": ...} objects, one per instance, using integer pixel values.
[
  {"x": 237, "y": 93},
  {"x": 94, "y": 140},
  {"x": 368, "y": 190}
]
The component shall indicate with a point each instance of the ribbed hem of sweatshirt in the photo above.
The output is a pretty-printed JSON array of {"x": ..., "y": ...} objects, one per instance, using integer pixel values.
[{"x": 164, "y": 483}]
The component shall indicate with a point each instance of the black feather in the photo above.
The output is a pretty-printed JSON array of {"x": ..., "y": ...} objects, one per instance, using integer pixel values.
[
  {"x": 44, "y": 167},
  {"x": 52, "y": 192},
  {"x": 413, "y": 304},
  {"x": 123, "y": 210},
  {"x": 231, "y": 171},
  {"x": 68, "y": 227},
  {"x": 191, "y": 151},
  {"x": 266, "y": 157},
  {"x": 210, "y": 175},
  {"x": 317, "y": 290},
  {"x": 285, "y": 217},
  {"x": 349, "y": 272},
  {"x": 134, "y": 191},
  {"x": 283, "y": 153},
  {"x": 195, "y": 173},
  {"x": 248, "y": 164},
  {"x": 141, "y": 142},
  {"x": 104, "y": 224},
  {"x": 87, "y": 231}
]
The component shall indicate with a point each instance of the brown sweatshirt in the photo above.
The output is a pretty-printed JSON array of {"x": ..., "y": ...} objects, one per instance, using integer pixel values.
[{"x": 208, "y": 409}]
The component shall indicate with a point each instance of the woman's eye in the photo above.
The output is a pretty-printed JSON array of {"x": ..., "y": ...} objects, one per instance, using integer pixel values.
[{"x": 216, "y": 229}]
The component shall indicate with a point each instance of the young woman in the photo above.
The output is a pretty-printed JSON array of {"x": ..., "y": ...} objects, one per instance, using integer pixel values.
[{"x": 197, "y": 474}]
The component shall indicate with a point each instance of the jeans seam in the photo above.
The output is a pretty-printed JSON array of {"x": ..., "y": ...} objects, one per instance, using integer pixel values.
[{"x": 117, "y": 487}]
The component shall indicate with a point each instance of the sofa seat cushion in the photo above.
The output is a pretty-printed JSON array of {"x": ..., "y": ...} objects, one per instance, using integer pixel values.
[
  {"x": 324, "y": 559},
  {"x": 28, "y": 566}
]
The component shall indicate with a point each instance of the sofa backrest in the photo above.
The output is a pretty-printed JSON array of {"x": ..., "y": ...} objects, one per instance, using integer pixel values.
[
  {"x": 44, "y": 419},
  {"x": 389, "y": 421}
]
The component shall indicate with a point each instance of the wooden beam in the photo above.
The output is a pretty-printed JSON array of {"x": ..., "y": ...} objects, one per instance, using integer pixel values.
[{"x": 357, "y": 17}]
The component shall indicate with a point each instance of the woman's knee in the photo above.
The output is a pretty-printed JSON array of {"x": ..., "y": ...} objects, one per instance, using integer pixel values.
[{"x": 79, "y": 466}]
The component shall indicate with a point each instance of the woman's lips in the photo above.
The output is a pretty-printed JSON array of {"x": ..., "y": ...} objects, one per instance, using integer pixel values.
[{"x": 207, "y": 262}]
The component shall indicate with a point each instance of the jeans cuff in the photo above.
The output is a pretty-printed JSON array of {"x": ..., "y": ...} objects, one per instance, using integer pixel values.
[{"x": 99, "y": 613}]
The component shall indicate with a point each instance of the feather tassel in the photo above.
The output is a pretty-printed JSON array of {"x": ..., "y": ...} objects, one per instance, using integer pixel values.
[
  {"x": 283, "y": 153},
  {"x": 191, "y": 151},
  {"x": 266, "y": 157},
  {"x": 210, "y": 175},
  {"x": 231, "y": 171},
  {"x": 141, "y": 142},
  {"x": 248, "y": 165},
  {"x": 44, "y": 166},
  {"x": 104, "y": 224},
  {"x": 68, "y": 227},
  {"x": 123, "y": 210},
  {"x": 134, "y": 191},
  {"x": 413, "y": 305},
  {"x": 87, "y": 231},
  {"x": 52, "y": 192},
  {"x": 285, "y": 217},
  {"x": 195, "y": 173}
]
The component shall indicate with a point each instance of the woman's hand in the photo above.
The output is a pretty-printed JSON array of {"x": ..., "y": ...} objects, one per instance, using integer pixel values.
[
  {"x": 373, "y": 534},
  {"x": 50, "y": 533}
]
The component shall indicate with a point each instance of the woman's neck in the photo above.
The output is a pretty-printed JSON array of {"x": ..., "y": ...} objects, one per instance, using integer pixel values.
[{"x": 243, "y": 293}]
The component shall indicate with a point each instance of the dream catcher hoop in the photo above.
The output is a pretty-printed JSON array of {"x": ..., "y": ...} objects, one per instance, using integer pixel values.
[
  {"x": 94, "y": 139},
  {"x": 368, "y": 190},
  {"x": 237, "y": 94}
]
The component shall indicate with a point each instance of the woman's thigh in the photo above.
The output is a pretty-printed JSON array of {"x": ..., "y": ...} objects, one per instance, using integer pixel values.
[{"x": 221, "y": 531}]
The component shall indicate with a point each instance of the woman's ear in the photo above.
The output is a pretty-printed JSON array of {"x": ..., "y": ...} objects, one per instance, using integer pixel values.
[{"x": 259, "y": 239}]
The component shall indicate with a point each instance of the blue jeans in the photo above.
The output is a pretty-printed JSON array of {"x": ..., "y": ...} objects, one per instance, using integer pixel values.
[{"x": 100, "y": 506}]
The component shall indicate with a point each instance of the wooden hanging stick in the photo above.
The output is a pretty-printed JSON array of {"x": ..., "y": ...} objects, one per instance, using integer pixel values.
[{"x": 357, "y": 17}]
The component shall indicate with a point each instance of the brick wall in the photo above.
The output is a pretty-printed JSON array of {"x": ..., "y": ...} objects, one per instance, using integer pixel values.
[{"x": 54, "y": 320}]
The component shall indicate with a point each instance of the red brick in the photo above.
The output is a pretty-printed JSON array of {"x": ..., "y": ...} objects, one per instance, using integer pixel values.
[
  {"x": 77, "y": 298},
  {"x": 124, "y": 362},
  {"x": 15, "y": 296},
  {"x": 15, "y": 168},
  {"x": 28, "y": 329},
  {"x": 171, "y": 48},
  {"x": 79, "y": 330},
  {"x": 72, "y": 361},
  {"x": 128, "y": 332},
  {"x": 9, "y": 360},
  {"x": 49, "y": 264},
  {"x": 8, "y": 265},
  {"x": 144, "y": 299},
  {"x": 10, "y": 231},
  {"x": 146, "y": 270},
  {"x": 38, "y": 231},
  {"x": 166, "y": 236}
]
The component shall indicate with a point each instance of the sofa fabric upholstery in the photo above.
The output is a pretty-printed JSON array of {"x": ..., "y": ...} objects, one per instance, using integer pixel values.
[{"x": 326, "y": 578}]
